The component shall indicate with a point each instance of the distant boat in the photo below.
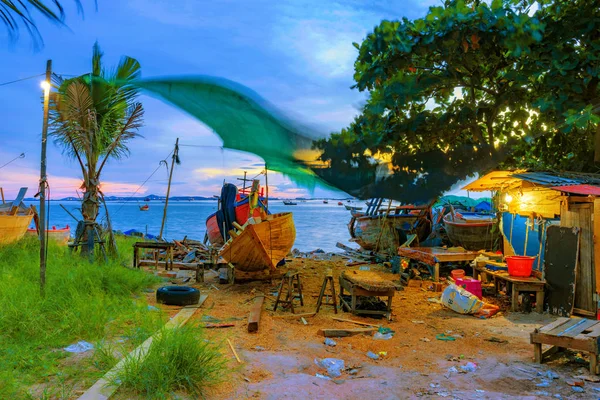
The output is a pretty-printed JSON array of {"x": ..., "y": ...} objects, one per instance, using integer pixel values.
[
  {"x": 145, "y": 207},
  {"x": 60, "y": 235},
  {"x": 289, "y": 203},
  {"x": 325, "y": 201},
  {"x": 15, "y": 217},
  {"x": 340, "y": 203},
  {"x": 352, "y": 208}
]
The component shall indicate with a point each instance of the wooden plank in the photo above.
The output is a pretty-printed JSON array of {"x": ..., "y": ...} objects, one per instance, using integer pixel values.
[
  {"x": 180, "y": 265},
  {"x": 571, "y": 322},
  {"x": 576, "y": 330},
  {"x": 584, "y": 313},
  {"x": 594, "y": 331},
  {"x": 295, "y": 315},
  {"x": 238, "y": 226},
  {"x": 355, "y": 322},
  {"x": 234, "y": 352},
  {"x": 552, "y": 325},
  {"x": 588, "y": 345},
  {"x": 103, "y": 389},
  {"x": 345, "y": 332},
  {"x": 255, "y": 311}
]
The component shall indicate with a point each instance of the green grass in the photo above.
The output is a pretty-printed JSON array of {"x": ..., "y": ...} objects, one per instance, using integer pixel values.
[
  {"x": 178, "y": 360},
  {"x": 94, "y": 302}
]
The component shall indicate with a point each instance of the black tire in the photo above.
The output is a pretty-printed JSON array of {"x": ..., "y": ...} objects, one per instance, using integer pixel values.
[{"x": 177, "y": 295}]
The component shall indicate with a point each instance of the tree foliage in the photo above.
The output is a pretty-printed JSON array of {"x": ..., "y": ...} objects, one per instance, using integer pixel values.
[
  {"x": 467, "y": 86},
  {"x": 93, "y": 117}
]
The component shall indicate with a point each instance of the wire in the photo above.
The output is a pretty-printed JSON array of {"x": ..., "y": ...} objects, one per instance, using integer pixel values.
[
  {"x": 21, "y": 80},
  {"x": 22, "y": 155}
]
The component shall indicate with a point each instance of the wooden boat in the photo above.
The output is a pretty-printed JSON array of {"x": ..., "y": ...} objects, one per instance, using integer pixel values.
[
  {"x": 473, "y": 231},
  {"x": 325, "y": 201},
  {"x": 60, "y": 235},
  {"x": 15, "y": 217},
  {"x": 352, "y": 208},
  {"x": 261, "y": 244},
  {"x": 340, "y": 203},
  {"x": 384, "y": 231},
  {"x": 289, "y": 203},
  {"x": 145, "y": 207}
]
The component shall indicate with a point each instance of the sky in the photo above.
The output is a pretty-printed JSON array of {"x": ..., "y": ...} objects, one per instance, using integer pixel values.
[{"x": 296, "y": 54}]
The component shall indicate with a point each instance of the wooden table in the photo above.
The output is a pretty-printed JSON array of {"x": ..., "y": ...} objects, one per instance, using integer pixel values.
[
  {"x": 157, "y": 247},
  {"x": 355, "y": 290},
  {"x": 434, "y": 256},
  {"x": 572, "y": 333},
  {"x": 516, "y": 285}
]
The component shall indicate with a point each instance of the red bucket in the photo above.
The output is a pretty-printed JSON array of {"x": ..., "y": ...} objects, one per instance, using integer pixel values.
[{"x": 520, "y": 265}]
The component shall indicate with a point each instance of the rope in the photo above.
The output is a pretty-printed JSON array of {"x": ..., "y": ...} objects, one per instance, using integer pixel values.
[
  {"x": 22, "y": 79},
  {"x": 22, "y": 155}
]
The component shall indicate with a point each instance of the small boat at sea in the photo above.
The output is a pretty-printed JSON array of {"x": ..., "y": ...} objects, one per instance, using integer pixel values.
[
  {"x": 145, "y": 207},
  {"x": 352, "y": 208},
  {"x": 15, "y": 217},
  {"x": 473, "y": 231},
  {"x": 340, "y": 203},
  {"x": 325, "y": 201},
  {"x": 61, "y": 235},
  {"x": 383, "y": 229},
  {"x": 289, "y": 203}
]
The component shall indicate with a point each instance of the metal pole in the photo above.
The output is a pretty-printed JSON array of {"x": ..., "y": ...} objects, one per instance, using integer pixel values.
[
  {"x": 162, "y": 225},
  {"x": 43, "y": 178}
]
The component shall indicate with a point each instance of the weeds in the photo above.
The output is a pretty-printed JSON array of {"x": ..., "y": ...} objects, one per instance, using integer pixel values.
[
  {"x": 83, "y": 301},
  {"x": 178, "y": 359}
]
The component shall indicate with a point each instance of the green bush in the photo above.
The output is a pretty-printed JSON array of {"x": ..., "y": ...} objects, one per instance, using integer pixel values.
[{"x": 178, "y": 359}]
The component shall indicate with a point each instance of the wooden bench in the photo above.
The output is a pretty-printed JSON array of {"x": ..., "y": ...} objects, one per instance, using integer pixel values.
[
  {"x": 572, "y": 333},
  {"x": 515, "y": 285},
  {"x": 157, "y": 247},
  {"x": 434, "y": 256}
]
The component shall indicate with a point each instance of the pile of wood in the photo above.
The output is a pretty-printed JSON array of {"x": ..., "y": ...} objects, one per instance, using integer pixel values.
[
  {"x": 360, "y": 256},
  {"x": 191, "y": 251}
]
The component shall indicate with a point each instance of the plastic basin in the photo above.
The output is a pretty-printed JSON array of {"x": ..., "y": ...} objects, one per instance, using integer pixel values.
[
  {"x": 457, "y": 273},
  {"x": 520, "y": 265}
]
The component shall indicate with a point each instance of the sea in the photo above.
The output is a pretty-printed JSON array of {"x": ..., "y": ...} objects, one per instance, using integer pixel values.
[{"x": 318, "y": 225}]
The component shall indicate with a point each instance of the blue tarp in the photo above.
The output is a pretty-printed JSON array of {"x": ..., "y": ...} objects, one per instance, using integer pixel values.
[
  {"x": 534, "y": 238},
  {"x": 483, "y": 206}
]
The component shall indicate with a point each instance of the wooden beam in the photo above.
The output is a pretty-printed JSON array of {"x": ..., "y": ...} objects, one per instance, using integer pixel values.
[
  {"x": 345, "y": 332},
  {"x": 294, "y": 315},
  {"x": 255, "y": 311},
  {"x": 103, "y": 389},
  {"x": 238, "y": 226},
  {"x": 355, "y": 322}
]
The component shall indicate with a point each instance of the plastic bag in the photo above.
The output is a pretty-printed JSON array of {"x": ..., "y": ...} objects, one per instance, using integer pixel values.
[
  {"x": 383, "y": 336},
  {"x": 334, "y": 366},
  {"x": 459, "y": 300},
  {"x": 79, "y": 347}
]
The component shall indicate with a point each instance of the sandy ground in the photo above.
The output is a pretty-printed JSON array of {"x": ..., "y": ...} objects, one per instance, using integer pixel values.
[{"x": 278, "y": 362}]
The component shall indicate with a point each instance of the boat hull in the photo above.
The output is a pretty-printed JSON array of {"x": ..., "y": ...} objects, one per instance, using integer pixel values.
[
  {"x": 61, "y": 236},
  {"x": 386, "y": 233},
  {"x": 242, "y": 211},
  {"x": 13, "y": 227},
  {"x": 261, "y": 246},
  {"x": 472, "y": 236}
]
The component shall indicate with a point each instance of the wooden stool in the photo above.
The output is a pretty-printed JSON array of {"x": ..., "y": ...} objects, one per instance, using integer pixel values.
[
  {"x": 328, "y": 278},
  {"x": 292, "y": 278}
]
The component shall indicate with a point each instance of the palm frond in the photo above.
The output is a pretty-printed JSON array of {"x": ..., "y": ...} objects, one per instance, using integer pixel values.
[{"x": 97, "y": 60}]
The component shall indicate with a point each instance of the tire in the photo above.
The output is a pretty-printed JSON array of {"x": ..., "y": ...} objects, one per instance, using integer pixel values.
[{"x": 177, "y": 295}]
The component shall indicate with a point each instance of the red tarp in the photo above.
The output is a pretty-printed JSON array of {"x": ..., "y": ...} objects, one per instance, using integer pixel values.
[{"x": 579, "y": 189}]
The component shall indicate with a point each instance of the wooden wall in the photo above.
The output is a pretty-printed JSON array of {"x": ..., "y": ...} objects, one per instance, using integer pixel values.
[{"x": 538, "y": 201}]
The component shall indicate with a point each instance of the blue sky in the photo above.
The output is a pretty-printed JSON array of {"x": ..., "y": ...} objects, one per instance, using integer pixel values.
[{"x": 296, "y": 54}]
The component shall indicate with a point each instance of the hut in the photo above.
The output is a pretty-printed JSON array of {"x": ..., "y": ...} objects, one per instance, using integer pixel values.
[{"x": 530, "y": 202}]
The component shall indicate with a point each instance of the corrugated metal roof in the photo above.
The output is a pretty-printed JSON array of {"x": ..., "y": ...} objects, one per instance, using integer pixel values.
[
  {"x": 548, "y": 179},
  {"x": 588, "y": 190},
  {"x": 495, "y": 180}
]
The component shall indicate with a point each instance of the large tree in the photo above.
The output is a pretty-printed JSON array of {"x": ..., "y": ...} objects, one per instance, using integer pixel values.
[
  {"x": 447, "y": 96},
  {"x": 93, "y": 117}
]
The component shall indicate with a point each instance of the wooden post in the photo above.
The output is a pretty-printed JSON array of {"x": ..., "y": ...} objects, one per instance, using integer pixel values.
[
  {"x": 43, "y": 178},
  {"x": 175, "y": 152},
  {"x": 267, "y": 186},
  {"x": 254, "y": 317},
  {"x": 2, "y": 194}
]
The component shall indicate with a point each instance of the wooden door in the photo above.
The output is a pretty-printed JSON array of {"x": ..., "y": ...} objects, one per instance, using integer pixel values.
[{"x": 580, "y": 215}]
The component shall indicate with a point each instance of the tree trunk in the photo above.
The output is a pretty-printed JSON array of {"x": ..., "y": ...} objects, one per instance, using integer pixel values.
[{"x": 90, "y": 207}]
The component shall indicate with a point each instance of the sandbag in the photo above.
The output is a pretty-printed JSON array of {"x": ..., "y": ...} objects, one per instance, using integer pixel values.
[{"x": 459, "y": 300}]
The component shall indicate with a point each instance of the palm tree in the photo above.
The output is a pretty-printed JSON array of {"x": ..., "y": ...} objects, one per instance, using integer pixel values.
[
  {"x": 14, "y": 13},
  {"x": 93, "y": 117}
]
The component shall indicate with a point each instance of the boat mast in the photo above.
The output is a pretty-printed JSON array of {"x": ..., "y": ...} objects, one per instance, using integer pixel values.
[{"x": 164, "y": 218}]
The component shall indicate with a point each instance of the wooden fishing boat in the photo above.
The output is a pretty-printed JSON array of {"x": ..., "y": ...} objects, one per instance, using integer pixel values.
[
  {"x": 289, "y": 203},
  {"x": 15, "y": 217},
  {"x": 385, "y": 230},
  {"x": 352, "y": 208},
  {"x": 261, "y": 244},
  {"x": 340, "y": 203},
  {"x": 145, "y": 207},
  {"x": 473, "y": 231},
  {"x": 61, "y": 235},
  {"x": 325, "y": 201}
]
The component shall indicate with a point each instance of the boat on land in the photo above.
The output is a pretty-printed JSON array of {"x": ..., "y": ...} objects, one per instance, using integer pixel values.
[
  {"x": 254, "y": 240},
  {"x": 289, "y": 203},
  {"x": 60, "y": 235},
  {"x": 384, "y": 229},
  {"x": 145, "y": 207},
  {"x": 15, "y": 217},
  {"x": 473, "y": 231},
  {"x": 352, "y": 208}
]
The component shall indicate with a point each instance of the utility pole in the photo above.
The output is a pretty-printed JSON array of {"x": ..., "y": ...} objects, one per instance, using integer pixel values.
[
  {"x": 46, "y": 85},
  {"x": 164, "y": 219}
]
